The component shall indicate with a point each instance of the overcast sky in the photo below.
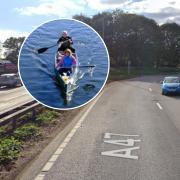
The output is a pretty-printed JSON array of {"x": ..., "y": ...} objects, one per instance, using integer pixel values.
[{"x": 20, "y": 17}]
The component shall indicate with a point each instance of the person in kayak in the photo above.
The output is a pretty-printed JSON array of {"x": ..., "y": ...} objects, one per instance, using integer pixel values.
[
  {"x": 66, "y": 42},
  {"x": 66, "y": 63}
]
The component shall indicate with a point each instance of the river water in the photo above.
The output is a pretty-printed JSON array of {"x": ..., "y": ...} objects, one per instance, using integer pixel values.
[{"x": 37, "y": 70}]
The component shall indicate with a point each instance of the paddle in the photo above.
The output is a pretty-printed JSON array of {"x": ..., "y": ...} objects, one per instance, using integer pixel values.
[
  {"x": 83, "y": 66},
  {"x": 41, "y": 50},
  {"x": 91, "y": 66}
]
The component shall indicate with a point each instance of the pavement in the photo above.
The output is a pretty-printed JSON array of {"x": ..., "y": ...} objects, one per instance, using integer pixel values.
[
  {"x": 130, "y": 132},
  {"x": 12, "y": 98}
]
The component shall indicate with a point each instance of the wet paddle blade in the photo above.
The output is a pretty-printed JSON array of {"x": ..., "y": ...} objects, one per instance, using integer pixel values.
[{"x": 42, "y": 50}]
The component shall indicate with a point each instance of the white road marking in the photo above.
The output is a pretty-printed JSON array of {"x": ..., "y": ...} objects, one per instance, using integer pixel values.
[
  {"x": 159, "y": 106},
  {"x": 108, "y": 135},
  {"x": 47, "y": 166},
  {"x": 150, "y": 89},
  {"x": 40, "y": 177},
  {"x": 58, "y": 151},
  {"x": 61, "y": 147},
  {"x": 121, "y": 153},
  {"x": 54, "y": 157},
  {"x": 124, "y": 142}
]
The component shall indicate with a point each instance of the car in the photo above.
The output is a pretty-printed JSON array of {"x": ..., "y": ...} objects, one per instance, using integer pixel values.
[
  {"x": 171, "y": 85},
  {"x": 10, "y": 80}
]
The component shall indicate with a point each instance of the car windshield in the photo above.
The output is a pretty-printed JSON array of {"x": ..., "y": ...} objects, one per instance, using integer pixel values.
[{"x": 172, "y": 80}]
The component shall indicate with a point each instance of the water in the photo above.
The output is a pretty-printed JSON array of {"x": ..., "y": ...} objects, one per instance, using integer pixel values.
[{"x": 37, "y": 70}]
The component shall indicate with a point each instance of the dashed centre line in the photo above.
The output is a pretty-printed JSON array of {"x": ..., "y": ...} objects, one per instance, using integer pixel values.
[
  {"x": 159, "y": 106},
  {"x": 150, "y": 89}
]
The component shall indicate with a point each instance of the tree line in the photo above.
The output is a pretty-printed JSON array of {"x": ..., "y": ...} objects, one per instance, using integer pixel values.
[
  {"x": 12, "y": 46},
  {"x": 137, "y": 40},
  {"x": 130, "y": 38}
]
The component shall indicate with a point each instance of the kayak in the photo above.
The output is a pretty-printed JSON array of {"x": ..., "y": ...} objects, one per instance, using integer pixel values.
[{"x": 67, "y": 83}]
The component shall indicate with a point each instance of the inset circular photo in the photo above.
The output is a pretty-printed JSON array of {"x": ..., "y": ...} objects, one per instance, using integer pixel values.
[{"x": 64, "y": 64}]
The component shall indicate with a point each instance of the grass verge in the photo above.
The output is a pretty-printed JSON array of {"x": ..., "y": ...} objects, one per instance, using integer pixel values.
[{"x": 122, "y": 72}]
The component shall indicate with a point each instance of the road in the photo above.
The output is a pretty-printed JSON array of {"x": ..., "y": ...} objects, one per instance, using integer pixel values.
[
  {"x": 132, "y": 132},
  {"x": 11, "y": 98}
]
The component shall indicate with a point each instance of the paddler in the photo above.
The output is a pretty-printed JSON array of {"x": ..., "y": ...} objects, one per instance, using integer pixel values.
[
  {"x": 66, "y": 63},
  {"x": 66, "y": 42}
]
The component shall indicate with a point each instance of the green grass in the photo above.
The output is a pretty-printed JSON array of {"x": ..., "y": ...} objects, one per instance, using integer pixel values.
[
  {"x": 28, "y": 131},
  {"x": 122, "y": 72},
  {"x": 9, "y": 150},
  {"x": 46, "y": 117}
]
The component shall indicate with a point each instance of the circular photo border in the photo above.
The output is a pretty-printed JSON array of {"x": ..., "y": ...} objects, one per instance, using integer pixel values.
[{"x": 108, "y": 69}]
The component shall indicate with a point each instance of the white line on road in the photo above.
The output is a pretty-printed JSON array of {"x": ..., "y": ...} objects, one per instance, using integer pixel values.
[
  {"x": 61, "y": 147},
  {"x": 159, "y": 106},
  {"x": 150, "y": 89}
]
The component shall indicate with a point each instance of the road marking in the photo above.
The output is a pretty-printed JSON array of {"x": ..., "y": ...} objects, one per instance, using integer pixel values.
[
  {"x": 150, "y": 89},
  {"x": 47, "y": 166},
  {"x": 109, "y": 138},
  {"x": 127, "y": 142},
  {"x": 61, "y": 147},
  {"x": 54, "y": 157},
  {"x": 108, "y": 135},
  {"x": 121, "y": 153},
  {"x": 40, "y": 177},
  {"x": 58, "y": 151},
  {"x": 159, "y": 106}
]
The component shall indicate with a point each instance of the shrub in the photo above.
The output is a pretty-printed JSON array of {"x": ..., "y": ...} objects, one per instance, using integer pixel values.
[
  {"x": 46, "y": 117},
  {"x": 9, "y": 149},
  {"x": 27, "y": 131},
  {"x": 2, "y": 131}
]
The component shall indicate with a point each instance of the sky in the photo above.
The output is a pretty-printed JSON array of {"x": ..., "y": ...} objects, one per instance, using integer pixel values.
[{"x": 20, "y": 18}]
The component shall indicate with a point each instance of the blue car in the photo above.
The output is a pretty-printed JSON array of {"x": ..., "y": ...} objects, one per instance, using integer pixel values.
[{"x": 171, "y": 85}]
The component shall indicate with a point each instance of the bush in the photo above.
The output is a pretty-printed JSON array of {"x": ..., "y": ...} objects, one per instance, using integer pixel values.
[
  {"x": 46, "y": 117},
  {"x": 9, "y": 149},
  {"x": 2, "y": 131},
  {"x": 27, "y": 131}
]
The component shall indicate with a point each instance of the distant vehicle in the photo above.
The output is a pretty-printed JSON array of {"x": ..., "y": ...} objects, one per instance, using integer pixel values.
[
  {"x": 7, "y": 67},
  {"x": 171, "y": 85},
  {"x": 10, "y": 80}
]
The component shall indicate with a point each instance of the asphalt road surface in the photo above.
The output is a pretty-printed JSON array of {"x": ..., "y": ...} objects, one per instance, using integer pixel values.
[
  {"x": 132, "y": 132},
  {"x": 11, "y": 98}
]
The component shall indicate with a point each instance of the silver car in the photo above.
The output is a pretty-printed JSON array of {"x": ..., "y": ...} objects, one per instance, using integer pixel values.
[{"x": 10, "y": 80}]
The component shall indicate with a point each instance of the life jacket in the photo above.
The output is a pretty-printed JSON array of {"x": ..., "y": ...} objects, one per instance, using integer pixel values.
[{"x": 68, "y": 61}]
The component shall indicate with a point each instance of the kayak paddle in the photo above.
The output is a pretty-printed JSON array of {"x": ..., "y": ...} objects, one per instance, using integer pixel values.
[
  {"x": 41, "y": 50},
  {"x": 81, "y": 66},
  {"x": 91, "y": 66}
]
